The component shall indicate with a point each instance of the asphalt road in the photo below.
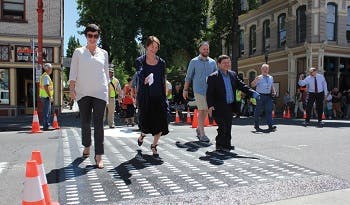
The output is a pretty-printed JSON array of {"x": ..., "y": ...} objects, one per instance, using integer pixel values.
[{"x": 292, "y": 162}]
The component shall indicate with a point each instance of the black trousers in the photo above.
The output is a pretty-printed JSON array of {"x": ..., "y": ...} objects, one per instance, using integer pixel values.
[
  {"x": 224, "y": 121},
  {"x": 319, "y": 98},
  {"x": 96, "y": 107}
]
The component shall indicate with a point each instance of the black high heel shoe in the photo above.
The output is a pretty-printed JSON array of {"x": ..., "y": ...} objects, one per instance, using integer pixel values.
[
  {"x": 140, "y": 139},
  {"x": 155, "y": 151},
  {"x": 99, "y": 165}
]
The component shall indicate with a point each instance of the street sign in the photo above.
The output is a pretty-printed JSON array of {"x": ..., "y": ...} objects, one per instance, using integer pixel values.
[
  {"x": 38, "y": 73},
  {"x": 66, "y": 62}
]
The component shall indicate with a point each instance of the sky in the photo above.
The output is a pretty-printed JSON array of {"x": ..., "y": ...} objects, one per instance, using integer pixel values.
[{"x": 70, "y": 18}]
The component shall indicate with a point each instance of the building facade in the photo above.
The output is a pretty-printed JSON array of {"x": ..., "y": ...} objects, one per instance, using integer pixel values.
[
  {"x": 293, "y": 36},
  {"x": 18, "y": 26}
]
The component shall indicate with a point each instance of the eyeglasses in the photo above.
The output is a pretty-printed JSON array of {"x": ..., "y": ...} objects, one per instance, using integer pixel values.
[{"x": 95, "y": 36}]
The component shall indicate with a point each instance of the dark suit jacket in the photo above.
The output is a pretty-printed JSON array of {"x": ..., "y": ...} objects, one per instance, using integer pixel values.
[{"x": 216, "y": 92}]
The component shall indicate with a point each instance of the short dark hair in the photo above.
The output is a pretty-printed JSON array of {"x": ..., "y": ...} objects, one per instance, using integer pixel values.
[
  {"x": 92, "y": 28},
  {"x": 223, "y": 57},
  {"x": 129, "y": 79},
  {"x": 152, "y": 39}
]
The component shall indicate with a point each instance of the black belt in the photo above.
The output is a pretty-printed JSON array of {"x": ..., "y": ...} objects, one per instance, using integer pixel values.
[{"x": 267, "y": 94}]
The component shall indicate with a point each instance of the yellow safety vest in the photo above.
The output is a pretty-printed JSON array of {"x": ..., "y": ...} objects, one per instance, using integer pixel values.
[
  {"x": 113, "y": 90},
  {"x": 253, "y": 101},
  {"x": 42, "y": 91},
  {"x": 238, "y": 95}
]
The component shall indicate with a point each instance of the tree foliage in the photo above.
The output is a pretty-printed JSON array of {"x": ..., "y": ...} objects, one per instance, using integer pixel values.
[{"x": 127, "y": 23}]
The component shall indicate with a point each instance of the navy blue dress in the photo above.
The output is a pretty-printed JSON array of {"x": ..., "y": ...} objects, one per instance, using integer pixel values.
[{"x": 151, "y": 99}]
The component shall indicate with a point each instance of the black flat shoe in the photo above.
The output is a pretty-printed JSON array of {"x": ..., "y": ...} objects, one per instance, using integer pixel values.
[{"x": 140, "y": 139}]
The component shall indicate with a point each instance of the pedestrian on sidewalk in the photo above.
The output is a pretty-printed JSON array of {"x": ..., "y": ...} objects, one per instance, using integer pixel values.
[
  {"x": 317, "y": 88},
  {"x": 46, "y": 94},
  {"x": 221, "y": 97},
  {"x": 198, "y": 71},
  {"x": 114, "y": 91},
  {"x": 264, "y": 86},
  {"x": 151, "y": 95},
  {"x": 89, "y": 80}
]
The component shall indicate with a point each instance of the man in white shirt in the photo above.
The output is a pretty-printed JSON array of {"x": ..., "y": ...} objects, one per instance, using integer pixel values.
[{"x": 317, "y": 88}]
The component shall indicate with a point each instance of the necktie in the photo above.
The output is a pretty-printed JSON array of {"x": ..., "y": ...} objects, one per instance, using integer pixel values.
[{"x": 316, "y": 90}]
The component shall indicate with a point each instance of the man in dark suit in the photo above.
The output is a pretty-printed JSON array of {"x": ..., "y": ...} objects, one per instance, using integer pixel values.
[{"x": 222, "y": 86}]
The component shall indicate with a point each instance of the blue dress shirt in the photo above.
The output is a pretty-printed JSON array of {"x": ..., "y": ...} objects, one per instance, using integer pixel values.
[
  {"x": 264, "y": 85},
  {"x": 228, "y": 87},
  {"x": 309, "y": 81},
  {"x": 198, "y": 71}
]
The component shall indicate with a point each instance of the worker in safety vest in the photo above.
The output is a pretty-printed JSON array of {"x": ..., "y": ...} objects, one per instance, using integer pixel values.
[
  {"x": 114, "y": 91},
  {"x": 46, "y": 94}
]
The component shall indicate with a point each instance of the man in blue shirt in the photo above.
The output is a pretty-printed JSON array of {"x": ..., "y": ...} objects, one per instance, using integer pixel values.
[
  {"x": 222, "y": 86},
  {"x": 198, "y": 70},
  {"x": 317, "y": 88},
  {"x": 264, "y": 86}
]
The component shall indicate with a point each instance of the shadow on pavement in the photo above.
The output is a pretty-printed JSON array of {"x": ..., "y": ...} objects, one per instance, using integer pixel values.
[
  {"x": 140, "y": 161},
  {"x": 59, "y": 175},
  {"x": 218, "y": 157},
  {"x": 193, "y": 146}
]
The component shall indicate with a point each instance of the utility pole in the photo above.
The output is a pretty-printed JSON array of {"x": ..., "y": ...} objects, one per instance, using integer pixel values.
[{"x": 40, "y": 11}]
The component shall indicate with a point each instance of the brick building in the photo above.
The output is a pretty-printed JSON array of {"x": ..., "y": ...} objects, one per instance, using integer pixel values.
[
  {"x": 18, "y": 26},
  {"x": 294, "y": 35}
]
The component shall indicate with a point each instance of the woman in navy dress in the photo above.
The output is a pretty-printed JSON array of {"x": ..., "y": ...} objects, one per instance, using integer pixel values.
[{"x": 151, "y": 94}]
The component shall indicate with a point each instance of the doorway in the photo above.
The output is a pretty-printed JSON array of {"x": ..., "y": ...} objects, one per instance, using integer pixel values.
[{"x": 28, "y": 87}]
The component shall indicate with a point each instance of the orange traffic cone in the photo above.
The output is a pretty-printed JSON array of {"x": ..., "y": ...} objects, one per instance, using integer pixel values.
[
  {"x": 288, "y": 114},
  {"x": 188, "y": 120},
  {"x": 195, "y": 119},
  {"x": 284, "y": 114},
  {"x": 206, "y": 121},
  {"x": 35, "y": 123},
  {"x": 55, "y": 122},
  {"x": 273, "y": 114},
  {"x": 36, "y": 156},
  {"x": 177, "y": 117},
  {"x": 323, "y": 116},
  {"x": 304, "y": 116},
  {"x": 32, "y": 192}
]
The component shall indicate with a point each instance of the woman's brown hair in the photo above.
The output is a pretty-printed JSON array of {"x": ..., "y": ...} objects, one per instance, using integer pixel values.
[{"x": 152, "y": 39}]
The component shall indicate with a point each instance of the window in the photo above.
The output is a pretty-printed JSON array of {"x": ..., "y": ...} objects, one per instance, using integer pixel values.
[
  {"x": 4, "y": 86},
  {"x": 331, "y": 26},
  {"x": 24, "y": 54},
  {"x": 4, "y": 53},
  {"x": 282, "y": 32},
  {"x": 252, "y": 40},
  {"x": 241, "y": 42},
  {"x": 266, "y": 35},
  {"x": 301, "y": 24},
  {"x": 348, "y": 25},
  {"x": 13, "y": 10}
]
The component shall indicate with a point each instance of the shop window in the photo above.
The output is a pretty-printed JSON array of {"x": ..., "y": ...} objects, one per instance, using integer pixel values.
[
  {"x": 331, "y": 26},
  {"x": 13, "y": 10},
  {"x": 4, "y": 53},
  {"x": 266, "y": 35},
  {"x": 4, "y": 86},
  {"x": 282, "y": 31},
  {"x": 24, "y": 54},
  {"x": 252, "y": 40},
  {"x": 301, "y": 24}
]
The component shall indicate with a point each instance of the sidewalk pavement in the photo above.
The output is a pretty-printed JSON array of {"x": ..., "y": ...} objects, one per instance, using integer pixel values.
[
  {"x": 24, "y": 122},
  {"x": 339, "y": 197}
]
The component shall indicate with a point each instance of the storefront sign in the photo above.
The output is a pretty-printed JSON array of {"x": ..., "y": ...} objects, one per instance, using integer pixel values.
[{"x": 25, "y": 53}]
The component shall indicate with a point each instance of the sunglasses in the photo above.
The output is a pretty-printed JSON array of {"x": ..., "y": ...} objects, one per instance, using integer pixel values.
[{"x": 95, "y": 36}]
